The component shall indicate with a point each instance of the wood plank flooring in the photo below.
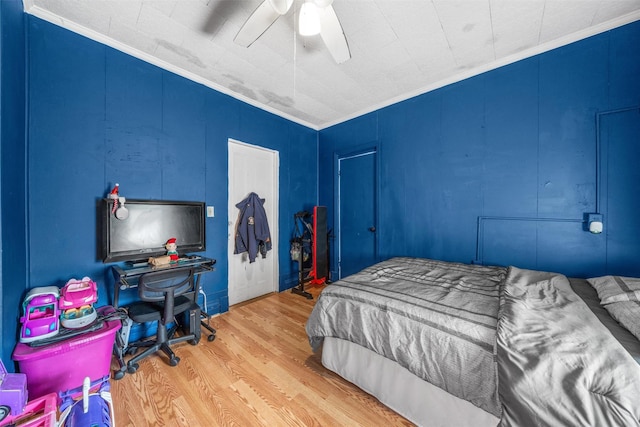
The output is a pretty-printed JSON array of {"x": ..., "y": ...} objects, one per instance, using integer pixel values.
[{"x": 259, "y": 371}]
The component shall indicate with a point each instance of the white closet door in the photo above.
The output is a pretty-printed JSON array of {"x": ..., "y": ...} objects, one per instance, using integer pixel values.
[{"x": 252, "y": 169}]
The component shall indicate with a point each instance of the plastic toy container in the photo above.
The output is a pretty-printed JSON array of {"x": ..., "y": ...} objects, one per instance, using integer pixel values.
[{"x": 64, "y": 365}]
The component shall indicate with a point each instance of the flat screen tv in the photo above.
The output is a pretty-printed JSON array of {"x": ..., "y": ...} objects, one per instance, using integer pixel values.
[{"x": 146, "y": 229}]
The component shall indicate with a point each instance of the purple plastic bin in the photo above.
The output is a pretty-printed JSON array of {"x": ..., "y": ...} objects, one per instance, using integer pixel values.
[{"x": 64, "y": 365}]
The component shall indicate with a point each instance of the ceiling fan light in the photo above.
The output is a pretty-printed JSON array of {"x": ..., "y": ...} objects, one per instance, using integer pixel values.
[
  {"x": 309, "y": 20},
  {"x": 281, "y": 6},
  {"x": 323, "y": 3}
]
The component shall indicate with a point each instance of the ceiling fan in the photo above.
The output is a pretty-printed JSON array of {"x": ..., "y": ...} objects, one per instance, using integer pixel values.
[{"x": 313, "y": 12}]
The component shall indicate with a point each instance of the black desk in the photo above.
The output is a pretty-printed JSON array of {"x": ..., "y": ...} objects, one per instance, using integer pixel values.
[{"x": 127, "y": 276}]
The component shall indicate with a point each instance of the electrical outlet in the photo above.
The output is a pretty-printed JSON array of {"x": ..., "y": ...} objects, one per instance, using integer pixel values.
[
  {"x": 594, "y": 223},
  {"x": 210, "y": 212}
]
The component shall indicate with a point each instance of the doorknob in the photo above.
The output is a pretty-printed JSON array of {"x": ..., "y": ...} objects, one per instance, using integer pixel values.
[{"x": 372, "y": 229}]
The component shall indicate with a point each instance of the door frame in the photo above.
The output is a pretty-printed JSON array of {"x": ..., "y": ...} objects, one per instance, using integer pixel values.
[
  {"x": 360, "y": 150},
  {"x": 274, "y": 227},
  {"x": 603, "y": 149}
]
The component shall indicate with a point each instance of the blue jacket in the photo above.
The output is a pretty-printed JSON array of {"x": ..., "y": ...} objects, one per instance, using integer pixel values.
[{"x": 252, "y": 228}]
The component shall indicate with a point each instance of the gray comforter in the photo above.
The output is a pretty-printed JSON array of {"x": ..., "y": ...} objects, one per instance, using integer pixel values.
[
  {"x": 436, "y": 319},
  {"x": 461, "y": 327},
  {"x": 557, "y": 364}
]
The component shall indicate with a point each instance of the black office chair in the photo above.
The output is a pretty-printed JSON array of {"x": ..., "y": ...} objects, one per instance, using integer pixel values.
[{"x": 162, "y": 299}]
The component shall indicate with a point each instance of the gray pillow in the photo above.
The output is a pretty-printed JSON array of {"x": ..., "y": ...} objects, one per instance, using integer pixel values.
[
  {"x": 627, "y": 313},
  {"x": 616, "y": 288}
]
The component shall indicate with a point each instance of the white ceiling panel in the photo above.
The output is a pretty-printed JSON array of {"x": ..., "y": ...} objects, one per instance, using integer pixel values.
[
  {"x": 562, "y": 17},
  {"x": 516, "y": 25},
  {"x": 399, "y": 48}
]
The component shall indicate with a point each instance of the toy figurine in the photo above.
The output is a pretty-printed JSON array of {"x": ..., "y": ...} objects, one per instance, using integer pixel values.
[
  {"x": 114, "y": 196},
  {"x": 118, "y": 208},
  {"x": 171, "y": 249}
]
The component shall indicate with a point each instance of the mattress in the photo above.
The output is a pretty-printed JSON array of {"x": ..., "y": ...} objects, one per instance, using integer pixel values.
[{"x": 415, "y": 399}]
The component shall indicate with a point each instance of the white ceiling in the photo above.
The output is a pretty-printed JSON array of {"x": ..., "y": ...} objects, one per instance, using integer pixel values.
[{"x": 399, "y": 48}]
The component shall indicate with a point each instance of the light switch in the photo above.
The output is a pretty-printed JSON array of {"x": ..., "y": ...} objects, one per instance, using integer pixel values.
[{"x": 210, "y": 212}]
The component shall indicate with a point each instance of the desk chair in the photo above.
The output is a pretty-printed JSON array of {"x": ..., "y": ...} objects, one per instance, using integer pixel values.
[{"x": 161, "y": 295}]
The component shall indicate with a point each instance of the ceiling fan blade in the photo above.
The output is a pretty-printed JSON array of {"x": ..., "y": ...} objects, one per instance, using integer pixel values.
[
  {"x": 333, "y": 35},
  {"x": 259, "y": 22}
]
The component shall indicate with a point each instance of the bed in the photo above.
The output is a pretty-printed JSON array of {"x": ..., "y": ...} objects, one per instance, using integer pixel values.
[{"x": 450, "y": 344}]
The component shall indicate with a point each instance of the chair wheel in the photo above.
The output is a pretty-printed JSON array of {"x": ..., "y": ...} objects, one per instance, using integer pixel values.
[
  {"x": 174, "y": 361},
  {"x": 194, "y": 341},
  {"x": 130, "y": 351},
  {"x": 211, "y": 337},
  {"x": 118, "y": 375},
  {"x": 132, "y": 368}
]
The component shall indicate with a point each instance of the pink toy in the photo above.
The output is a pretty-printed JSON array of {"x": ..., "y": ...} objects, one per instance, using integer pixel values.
[
  {"x": 41, "y": 314},
  {"x": 40, "y": 412},
  {"x": 76, "y": 302},
  {"x": 77, "y": 293}
]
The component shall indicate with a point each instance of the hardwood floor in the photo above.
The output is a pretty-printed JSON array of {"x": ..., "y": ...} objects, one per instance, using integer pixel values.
[{"x": 259, "y": 371}]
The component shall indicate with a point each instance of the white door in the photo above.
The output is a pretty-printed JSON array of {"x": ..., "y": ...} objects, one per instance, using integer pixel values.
[{"x": 252, "y": 169}]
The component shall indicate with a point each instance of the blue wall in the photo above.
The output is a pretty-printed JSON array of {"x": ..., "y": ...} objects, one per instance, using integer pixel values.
[
  {"x": 501, "y": 168},
  {"x": 13, "y": 262},
  {"x": 98, "y": 116}
]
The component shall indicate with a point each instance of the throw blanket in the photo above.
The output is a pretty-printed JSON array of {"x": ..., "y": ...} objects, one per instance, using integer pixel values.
[
  {"x": 436, "y": 319},
  {"x": 557, "y": 364}
]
